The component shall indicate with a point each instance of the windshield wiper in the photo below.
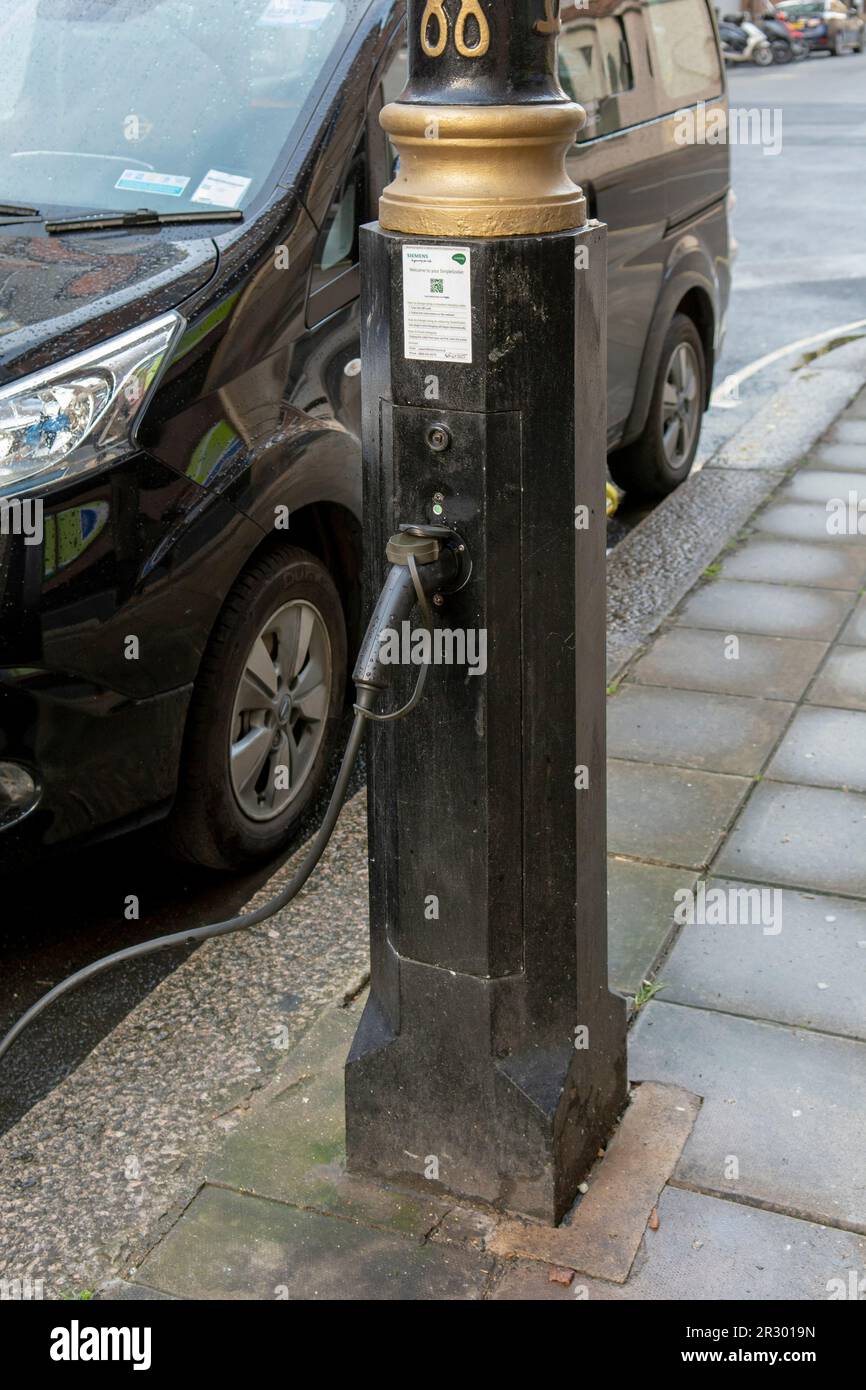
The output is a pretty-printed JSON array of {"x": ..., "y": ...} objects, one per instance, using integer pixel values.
[
  {"x": 17, "y": 210},
  {"x": 141, "y": 217}
]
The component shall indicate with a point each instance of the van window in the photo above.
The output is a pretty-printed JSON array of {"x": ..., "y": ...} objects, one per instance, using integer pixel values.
[
  {"x": 686, "y": 55},
  {"x": 116, "y": 104},
  {"x": 337, "y": 250},
  {"x": 595, "y": 68}
]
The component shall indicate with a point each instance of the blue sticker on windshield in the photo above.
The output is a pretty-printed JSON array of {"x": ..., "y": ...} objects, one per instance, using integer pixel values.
[{"x": 144, "y": 181}]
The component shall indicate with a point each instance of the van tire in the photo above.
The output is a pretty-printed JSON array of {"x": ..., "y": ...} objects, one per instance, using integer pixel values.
[
  {"x": 214, "y": 822},
  {"x": 643, "y": 469}
]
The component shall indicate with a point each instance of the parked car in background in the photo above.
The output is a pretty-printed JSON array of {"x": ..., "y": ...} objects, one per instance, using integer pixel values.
[
  {"x": 180, "y": 399},
  {"x": 828, "y": 26}
]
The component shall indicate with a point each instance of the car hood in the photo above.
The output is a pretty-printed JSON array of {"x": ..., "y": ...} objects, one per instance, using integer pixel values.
[{"x": 62, "y": 294}]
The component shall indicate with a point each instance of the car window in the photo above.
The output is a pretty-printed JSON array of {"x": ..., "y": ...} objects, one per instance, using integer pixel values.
[
  {"x": 595, "y": 69},
  {"x": 686, "y": 55}
]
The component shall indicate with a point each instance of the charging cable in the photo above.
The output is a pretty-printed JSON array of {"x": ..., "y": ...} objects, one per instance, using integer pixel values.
[{"x": 423, "y": 558}]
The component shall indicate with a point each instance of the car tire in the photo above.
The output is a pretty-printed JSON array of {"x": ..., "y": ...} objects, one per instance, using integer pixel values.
[
  {"x": 650, "y": 467},
  {"x": 256, "y": 753}
]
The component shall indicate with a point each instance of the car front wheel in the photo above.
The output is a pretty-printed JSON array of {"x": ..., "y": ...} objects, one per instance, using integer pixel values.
[
  {"x": 265, "y": 713},
  {"x": 661, "y": 458}
]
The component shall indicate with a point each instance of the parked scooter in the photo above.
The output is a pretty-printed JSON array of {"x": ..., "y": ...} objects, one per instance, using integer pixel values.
[
  {"x": 786, "y": 48},
  {"x": 743, "y": 42}
]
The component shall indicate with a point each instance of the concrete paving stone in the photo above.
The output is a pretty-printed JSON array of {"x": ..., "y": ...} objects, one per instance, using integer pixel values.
[
  {"x": 777, "y": 561},
  {"x": 602, "y": 1235},
  {"x": 292, "y": 1148},
  {"x": 848, "y": 455},
  {"x": 849, "y": 431},
  {"x": 823, "y": 748},
  {"x": 824, "y": 485},
  {"x": 776, "y": 610},
  {"x": 707, "y": 1248},
  {"x": 853, "y": 633},
  {"x": 781, "y": 1123},
  {"x": 775, "y": 668},
  {"x": 647, "y": 575},
  {"x": 689, "y": 728},
  {"x": 231, "y": 1245},
  {"x": 668, "y": 813},
  {"x": 775, "y": 954},
  {"x": 801, "y": 521},
  {"x": 842, "y": 680},
  {"x": 640, "y": 909},
  {"x": 806, "y": 837}
]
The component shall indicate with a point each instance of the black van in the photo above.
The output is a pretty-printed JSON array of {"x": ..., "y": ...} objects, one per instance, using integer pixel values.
[{"x": 180, "y": 476}]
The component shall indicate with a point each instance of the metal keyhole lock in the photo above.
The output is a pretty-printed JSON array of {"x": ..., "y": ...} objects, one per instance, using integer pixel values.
[{"x": 438, "y": 438}]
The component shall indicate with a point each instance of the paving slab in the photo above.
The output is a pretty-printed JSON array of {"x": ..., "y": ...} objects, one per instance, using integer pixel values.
[
  {"x": 781, "y": 1123},
  {"x": 824, "y": 485},
  {"x": 230, "y": 1245},
  {"x": 776, "y": 954},
  {"x": 293, "y": 1150},
  {"x": 842, "y": 679},
  {"x": 848, "y": 454},
  {"x": 777, "y": 610},
  {"x": 801, "y": 521},
  {"x": 808, "y": 837},
  {"x": 640, "y": 909},
  {"x": 776, "y": 561},
  {"x": 708, "y": 1248},
  {"x": 604, "y": 1232},
  {"x": 291, "y": 1144},
  {"x": 853, "y": 633},
  {"x": 647, "y": 576},
  {"x": 669, "y": 814},
  {"x": 848, "y": 431},
  {"x": 823, "y": 748},
  {"x": 775, "y": 668},
  {"x": 690, "y": 728}
]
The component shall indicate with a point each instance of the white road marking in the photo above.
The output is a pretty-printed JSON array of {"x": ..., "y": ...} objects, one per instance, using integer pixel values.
[{"x": 731, "y": 384}]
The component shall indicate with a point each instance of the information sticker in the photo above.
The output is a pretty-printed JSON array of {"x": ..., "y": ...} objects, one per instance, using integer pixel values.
[
  {"x": 144, "y": 181},
  {"x": 437, "y": 303},
  {"x": 224, "y": 190}
]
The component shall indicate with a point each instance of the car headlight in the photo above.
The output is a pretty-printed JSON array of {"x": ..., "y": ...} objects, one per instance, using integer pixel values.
[{"x": 81, "y": 413}]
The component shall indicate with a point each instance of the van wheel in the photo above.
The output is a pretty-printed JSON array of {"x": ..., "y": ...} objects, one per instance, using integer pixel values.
[
  {"x": 265, "y": 713},
  {"x": 661, "y": 458}
]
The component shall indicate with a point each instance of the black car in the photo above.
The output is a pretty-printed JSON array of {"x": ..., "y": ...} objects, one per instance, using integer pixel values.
[{"x": 180, "y": 469}]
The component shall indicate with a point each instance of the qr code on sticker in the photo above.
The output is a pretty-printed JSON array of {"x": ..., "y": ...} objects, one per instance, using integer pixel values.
[{"x": 437, "y": 286}]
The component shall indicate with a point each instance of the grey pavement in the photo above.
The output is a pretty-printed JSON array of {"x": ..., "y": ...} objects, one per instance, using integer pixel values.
[
  {"x": 198, "y": 1150},
  {"x": 729, "y": 778}
]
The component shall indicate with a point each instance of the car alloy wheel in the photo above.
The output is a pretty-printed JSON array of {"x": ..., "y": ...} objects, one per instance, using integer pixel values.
[
  {"x": 681, "y": 406},
  {"x": 280, "y": 710}
]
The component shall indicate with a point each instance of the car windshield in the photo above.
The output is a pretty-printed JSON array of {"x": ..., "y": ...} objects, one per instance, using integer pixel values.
[
  {"x": 167, "y": 104},
  {"x": 797, "y": 11}
]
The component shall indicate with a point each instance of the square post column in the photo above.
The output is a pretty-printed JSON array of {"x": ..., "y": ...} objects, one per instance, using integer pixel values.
[{"x": 490, "y": 1059}]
